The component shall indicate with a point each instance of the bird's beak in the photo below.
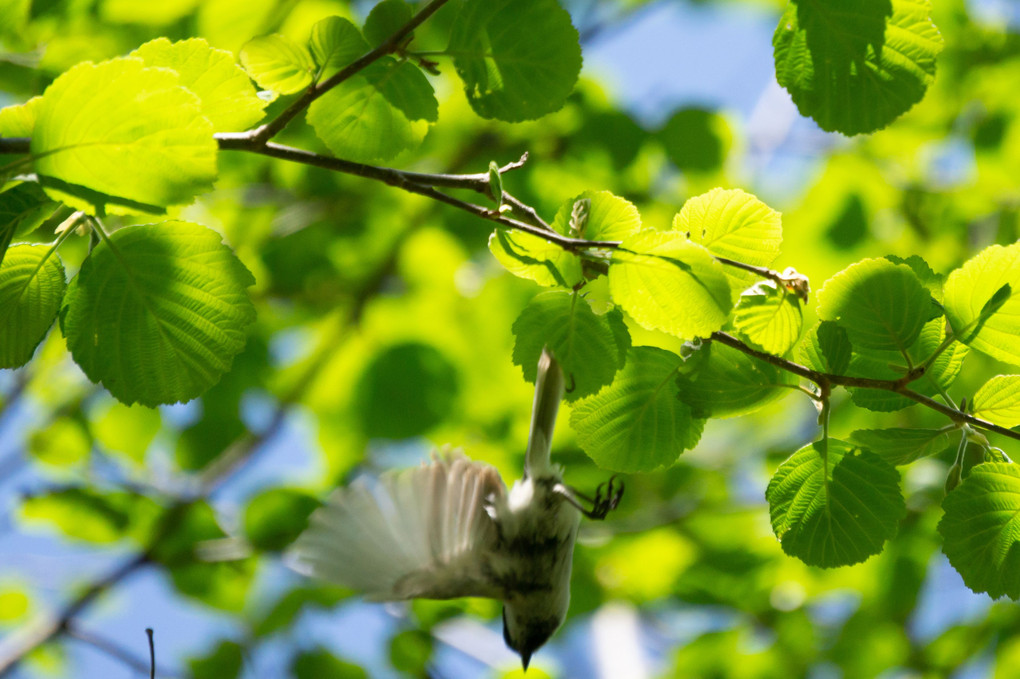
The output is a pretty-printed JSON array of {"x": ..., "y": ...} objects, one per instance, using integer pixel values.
[{"x": 525, "y": 659}]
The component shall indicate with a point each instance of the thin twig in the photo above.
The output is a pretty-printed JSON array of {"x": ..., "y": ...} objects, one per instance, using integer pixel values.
[
  {"x": 15, "y": 145},
  {"x": 152, "y": 653},
  {"x": 390, "y": 45},
  {"x": 117, "y": 651}
]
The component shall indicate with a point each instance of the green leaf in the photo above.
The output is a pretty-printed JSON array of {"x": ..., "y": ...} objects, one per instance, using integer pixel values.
[
  {"x": 891, "y": 365},
  {"x": 19, "y": 120},
  {"x": 535, "y": 258},
  {"x": 21, "y": 211},
  {"x": 733, "y": 224},
  {"x": 981, "y": 529},
  {"x": 227, "y": 97},
  {"x": 278, "y": 63},
  {"x": 975, "y": 307},
  {"x": 62, "y": 443},
  {"x": 274, "y": 518},
  {"x": 293, "y": 603},
  {"x": 127, "y": 431},
  {"x": 998, "y": 401},
  {"x": 31, "y": 288},
  {"x": 375, "y": 116},
  {"x": 856, "y": 65},
  {"x": 900, "y": 446},
  {"x": 770, "y": 317},
  {"x": 410, "y": 652},
  {"x": 14, "y": 606},
  {"x": 223, "y": 662},
  {"x": 723, "y": 382},
  {"x": 519, "y": 59},
  {"x": 836, "y": 508},
  {"x": 589, "y": 348},
  {"x": 609, "y": 217},
  {"x": 826, "y": 349},
  {"x": 336, "y": 42},
  {"x": 666, "y": 282},
  {"x": 696, "y": 140},
  {"x": 406, "y": 390},
  {"x": 925, "y": 274},
  {"x": 881, "y": 305},
  {"x": 81, "y": 513},
  {"x": 125, "y": 130},
  {"x": 321, "y": 663},
  {"x": 637, "y": 423},
  {"x": 158, "y": 312},
  {"x": 385, "y": 19}
]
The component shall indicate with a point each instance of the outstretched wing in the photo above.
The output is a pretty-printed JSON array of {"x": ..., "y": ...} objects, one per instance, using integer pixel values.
[{"x": 422, "y": 532}]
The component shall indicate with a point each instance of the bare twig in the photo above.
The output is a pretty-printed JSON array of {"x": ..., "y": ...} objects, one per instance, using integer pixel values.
[{"x": 119, "y": 652}]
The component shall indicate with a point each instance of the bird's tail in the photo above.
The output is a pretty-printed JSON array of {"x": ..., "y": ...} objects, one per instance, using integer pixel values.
[{"x": 548, "y": 393}]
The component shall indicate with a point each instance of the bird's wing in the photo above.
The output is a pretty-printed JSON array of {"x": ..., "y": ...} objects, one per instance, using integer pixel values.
[{"x": 422, "y": 532}]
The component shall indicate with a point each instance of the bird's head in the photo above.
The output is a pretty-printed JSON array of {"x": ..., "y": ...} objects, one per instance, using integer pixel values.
[{"x": 528, "y": 624}]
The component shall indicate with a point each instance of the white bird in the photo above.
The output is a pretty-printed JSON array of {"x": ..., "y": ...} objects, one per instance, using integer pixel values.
[{"x": 449, "y": 529}]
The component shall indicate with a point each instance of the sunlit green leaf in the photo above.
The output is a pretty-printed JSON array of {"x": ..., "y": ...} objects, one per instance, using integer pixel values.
[
  {"x": 62, "y": 443},
  {"x": 637, "y": 423},
  {"x": 14, "y": 605},
  {"x": 609, "y": 217},
  {"x": 977, "y": 288},
  {"x": 826, "y": 349},
  {"x": 733, "y": 224},
  {"x": 125, "y": 130},
  {"x": 881, "y": 305},
  {"x": 21, "y": 210},
  {"x": 31, "y": 289},
  {"x": 857, "y": 65},
  {"x": 19, "y": 120},
  {"x": 519, "y": 59},
  {"x": 385, "y": 19},
  {"x": 336, "y": 42},
  {"x": 228, "y": 99},
  {"x": 589, "y": 348},
  {"x": 666, "y": 282},
  {"x": 900, "y": 446},
  {"x": 127, "y": 430},
  {"x": 981, "y": 529},
  {"x": 770, "y": 317},
  {"x": 278, "y": 63},
  {"x": 721, "y": 381},
  {"x": 998, "y": 400},
  {"x": 157, "y": 313},
  {"x": 834, "y": 508},
  {"x": 81, "y": 513},
  {"x": 534, "y": 258}
]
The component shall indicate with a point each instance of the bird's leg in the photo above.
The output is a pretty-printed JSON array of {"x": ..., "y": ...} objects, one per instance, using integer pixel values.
[{"x": 601, "y": 504}]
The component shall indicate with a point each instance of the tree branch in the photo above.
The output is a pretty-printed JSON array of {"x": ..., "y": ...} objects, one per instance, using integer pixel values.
[
  {"x": 119, "y": 652},
  {"x": 15, "y": 145},
  {"x": 266, "y": 132},
  {"x": 898, "y": 386}
]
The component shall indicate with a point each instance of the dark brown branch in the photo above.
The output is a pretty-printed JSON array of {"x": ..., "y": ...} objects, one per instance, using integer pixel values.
[
  {"x": 117, "y": 651},
  {"x": 898, "y": 386},
  {"x": 392, "y": 44},
  {"x": 15, "y": 145}
]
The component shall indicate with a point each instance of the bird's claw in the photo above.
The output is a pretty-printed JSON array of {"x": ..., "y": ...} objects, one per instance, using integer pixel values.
[{"x": 605, "y": 503}]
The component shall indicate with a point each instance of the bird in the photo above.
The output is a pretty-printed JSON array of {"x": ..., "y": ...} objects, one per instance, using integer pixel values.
[{"x": 450, "y": 528}]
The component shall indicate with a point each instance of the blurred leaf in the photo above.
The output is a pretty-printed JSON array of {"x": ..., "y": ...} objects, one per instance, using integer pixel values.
[
  {"x": 126, "y": 130},
  {"x": 901, "y": 446},
  {"x": 406, "y": 390},
  {"x": 228, "y": 98},
  {"x": 278, "y": 63},
  {"x": 881, "y": 305},
  {"x": 158, "y": 312},
  {"x": 285, "y": 611},
  {"x": 385, "y": 19},
  {"x": 855, "y": 66},
  {"x": 638, "y": 422},
  {"x": 31, "y": 289},
  {"x": 321, "y": 663},
  {"x": 770, "y": 317},
  {"x": 62, "y": 443},
  {"x": 82, "y": 513},
  {"x": 969, "y": 291},
  {"x": 589, "y": 348},
  {"x": 223, "y": 662},
  {"x": 410, "y": 652},
  {"x": 981, "y": 529},
  {"x": 696, "y": 140},
  {"x": 666, "y": 282},
  {"x": 834, "y": 508},
  {"x": 127, "y": 430},
  {"x": 723, "y": 382},
  {"x": 519, "y": 59},
  {"x": 14, "y": 606},
  {"x": 733, "y": 224},
  {"x": 275, "y": 517}
]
